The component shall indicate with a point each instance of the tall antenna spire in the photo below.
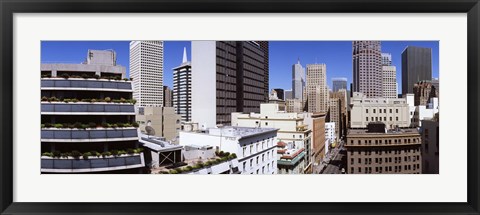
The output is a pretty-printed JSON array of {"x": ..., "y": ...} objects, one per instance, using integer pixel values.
[
  {"x": 298, "y": 60},
  {"x": 184, "y": 55}
]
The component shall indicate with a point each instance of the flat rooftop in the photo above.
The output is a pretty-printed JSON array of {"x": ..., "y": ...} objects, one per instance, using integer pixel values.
[
  {"x": 235, "y": 131},
  {"x": 157, "y": 143},
  {"x": 389, "y": 132}
]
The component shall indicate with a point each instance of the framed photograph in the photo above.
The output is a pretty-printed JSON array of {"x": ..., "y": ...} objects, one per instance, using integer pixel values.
[{"x": 200, "y": 107}]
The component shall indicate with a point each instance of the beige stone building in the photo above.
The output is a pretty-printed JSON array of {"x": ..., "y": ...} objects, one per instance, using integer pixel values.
[
  {"x": 423, "y": 92},
  {"x": 316, "y": 123},
  {"x": 335, "y": 114},
  {"x": 316, "y": 88},
  {"x": 294, "y": 106},
  {"x": 389, "y": 82},
  {"x": 342, "y": 118},
  {"x": 392, "y": 112},
  {"x": 430, "y": 148},
  {"x": 162, "y": 119},
  {"x": 379, "y": 151},
  {"x": 292, "y": 131}
]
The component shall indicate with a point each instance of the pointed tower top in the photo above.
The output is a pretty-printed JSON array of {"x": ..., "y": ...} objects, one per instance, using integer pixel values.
[
  {"x": 184, "y": 55},
  {"x": 298, "y": 60}
]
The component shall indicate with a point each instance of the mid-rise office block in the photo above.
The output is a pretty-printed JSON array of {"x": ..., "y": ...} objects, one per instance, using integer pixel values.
[
  {"x": 416, "y": 67},
  {"x": 392, "y": 112},
  {"x": 430, "y": 148},
  {"x": 229, "y": 77},
  {"x": 335, "y": 115},
  {"x": 377, "y": 150},
  {"x": 256, "y": 148},
  {"x": 164, "y": 121},
  {"x": 339, "y": 83},
  {"x": 293, "y": 106},
  {"x": 288, "y": 94},
  {"x": 389, "y": 82},
  {"x": 182, "y": 88},
  {"x": 87, "y": 116},
  {"x": 316, "y": 123},
  {"x": 316, "y": 88},
  {"x": 146, "y": 69},
  {"x": 342, "y": 97},
  {"x": 167, "y": 97},
  {"x": 298, "y": 80},
  {"x": 367, "y": 68}
]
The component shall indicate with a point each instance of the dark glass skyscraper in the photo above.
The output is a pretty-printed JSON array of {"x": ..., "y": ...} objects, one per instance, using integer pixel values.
[
  {"x": 339, "y": 83},
  {"x": 416, "y": 66}
]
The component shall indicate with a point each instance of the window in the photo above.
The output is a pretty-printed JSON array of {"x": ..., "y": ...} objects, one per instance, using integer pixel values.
[
  {"x": 251, "y": 162},
  {"x": 396, "y": 110},
  {"x": 396, "y": 118},
  {"x": 244, "y": 166},
  {"x": 359, "y": 169},
  {"x": 373, "y": 110},
  {"x": 366, "y": 118},
  {"x": 351, "y": 161},
  {"x": 266, "y": 123},
  {"x": 390, "y": 110},
  {"x": 359, "y": 160}
]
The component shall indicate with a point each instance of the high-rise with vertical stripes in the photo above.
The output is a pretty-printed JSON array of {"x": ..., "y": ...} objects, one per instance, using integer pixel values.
[
  {"x": 182, "y": 88},
  {"x": 146, "y": 69},
  {"x": 367, "y": 68}
]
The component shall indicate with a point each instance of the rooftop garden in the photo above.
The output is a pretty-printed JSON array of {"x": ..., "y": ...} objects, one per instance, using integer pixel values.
[
  {"x": 87, "y": 76},
  {"x": 79, "y": 125},
  {"x": 222, "y": 157},
  {"x": 91, "y": 154},
  {"x": 74, "y": 100}
]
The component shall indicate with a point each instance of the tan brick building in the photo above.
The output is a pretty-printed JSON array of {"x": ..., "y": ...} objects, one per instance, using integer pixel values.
[{"x": 371, "y": 151}]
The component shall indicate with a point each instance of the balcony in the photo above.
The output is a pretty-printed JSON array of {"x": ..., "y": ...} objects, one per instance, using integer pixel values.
[
  {"x": 85, "y": 84},
  {"x": 80, "y": 108},
  {"x": 88, "y": 135},
  {"x": 92, "y": 164}
]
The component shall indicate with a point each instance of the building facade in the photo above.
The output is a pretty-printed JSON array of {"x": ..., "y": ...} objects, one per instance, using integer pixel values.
[
  {"x": 294, "y": 106},
  {"x": 292, "y": 131},
  {"x": 392, "y": 112},
  {"x": 367, "y": 68},
  {"x": 146, "y": 69},
  {"x": 423, "y": 92},
  {"x": 280, "y": 93},
  {"x": 87, "y": 118},
  {"x": 298, "y": 80},
  {"x": 335, "y": 113},
  {"x": 339, "y": 83},
  {"x": 386, "y": 59},
  {"x": 167, "y": 97},
  {"x": 389, "y": 82},
  {"x": 182, "y": 88},
  {"x": 255, "y": 148},
  {"x": 316, "y": 123},
  {"x": 164, "y": 121},
  {"x": 230, "y": 76},
  {"x": 416, "y": 66},
  {"x": 430, "y": 147},
  {"x": 288, "y": 94},
  {"x": 316, "y": 88},
  {"x": 377, "y": 151}
]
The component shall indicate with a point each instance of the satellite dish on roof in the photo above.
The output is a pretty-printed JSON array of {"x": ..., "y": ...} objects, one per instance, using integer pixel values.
[{"x": 150, "y": 131}]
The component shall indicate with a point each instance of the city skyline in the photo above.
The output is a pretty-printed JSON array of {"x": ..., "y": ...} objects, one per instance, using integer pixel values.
[{"x": 283, "y": 54}]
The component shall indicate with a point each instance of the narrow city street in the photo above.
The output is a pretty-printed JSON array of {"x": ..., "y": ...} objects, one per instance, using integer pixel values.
[{"x": 337, "y": 162}]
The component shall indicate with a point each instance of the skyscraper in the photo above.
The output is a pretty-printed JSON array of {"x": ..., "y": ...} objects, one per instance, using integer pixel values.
[
  {"x": 386, "y": 59},
  {"x": 182, "y": 88},
  {"x": 298, "y": 80},
  {"x": 229, "y": 77},
  {"x": 367, "y": 68},
  {"x": 146, "y": 69},
  {"x": 389, "y": 82},
  {"x": 317, "y": 92},
  {"x": 339, "y": 83},
  {"x": 416, "y": 67}
]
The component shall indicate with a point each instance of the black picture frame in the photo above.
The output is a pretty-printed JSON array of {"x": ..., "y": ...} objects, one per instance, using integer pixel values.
[{"x": 10, "y": 7}]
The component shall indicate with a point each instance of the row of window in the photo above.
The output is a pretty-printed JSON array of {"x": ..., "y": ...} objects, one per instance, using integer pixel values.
[
  {"x": 388, "y": 141},
  {"x": 387, "y": 160},
  {"x": 390, "y": 151},
  {"x": 380, "y": 169}
]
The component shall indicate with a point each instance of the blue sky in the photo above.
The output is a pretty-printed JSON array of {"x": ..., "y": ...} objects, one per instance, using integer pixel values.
[{"x": 337, "y": 55}]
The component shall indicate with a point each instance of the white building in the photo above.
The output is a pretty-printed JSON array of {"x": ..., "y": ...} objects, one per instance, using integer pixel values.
[
  {"x": 392, "y": 112},
  {"x": 330, "y": 136},
  {"x": 421, "y": 112},
  {"x": 255, "y": 148},
  {"x": 146, "y": 69},
  {"x": 292, "y": 130},
  {"x": 389, "y": 82}
]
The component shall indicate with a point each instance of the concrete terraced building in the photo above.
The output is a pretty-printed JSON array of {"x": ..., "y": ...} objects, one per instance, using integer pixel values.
[{"x": 87, "y": 116}]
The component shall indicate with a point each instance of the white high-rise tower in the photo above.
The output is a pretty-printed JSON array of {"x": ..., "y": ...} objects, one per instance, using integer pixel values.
[
  {"x": 298, "y": 80},
  {"x": 146, "y": 69}
]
